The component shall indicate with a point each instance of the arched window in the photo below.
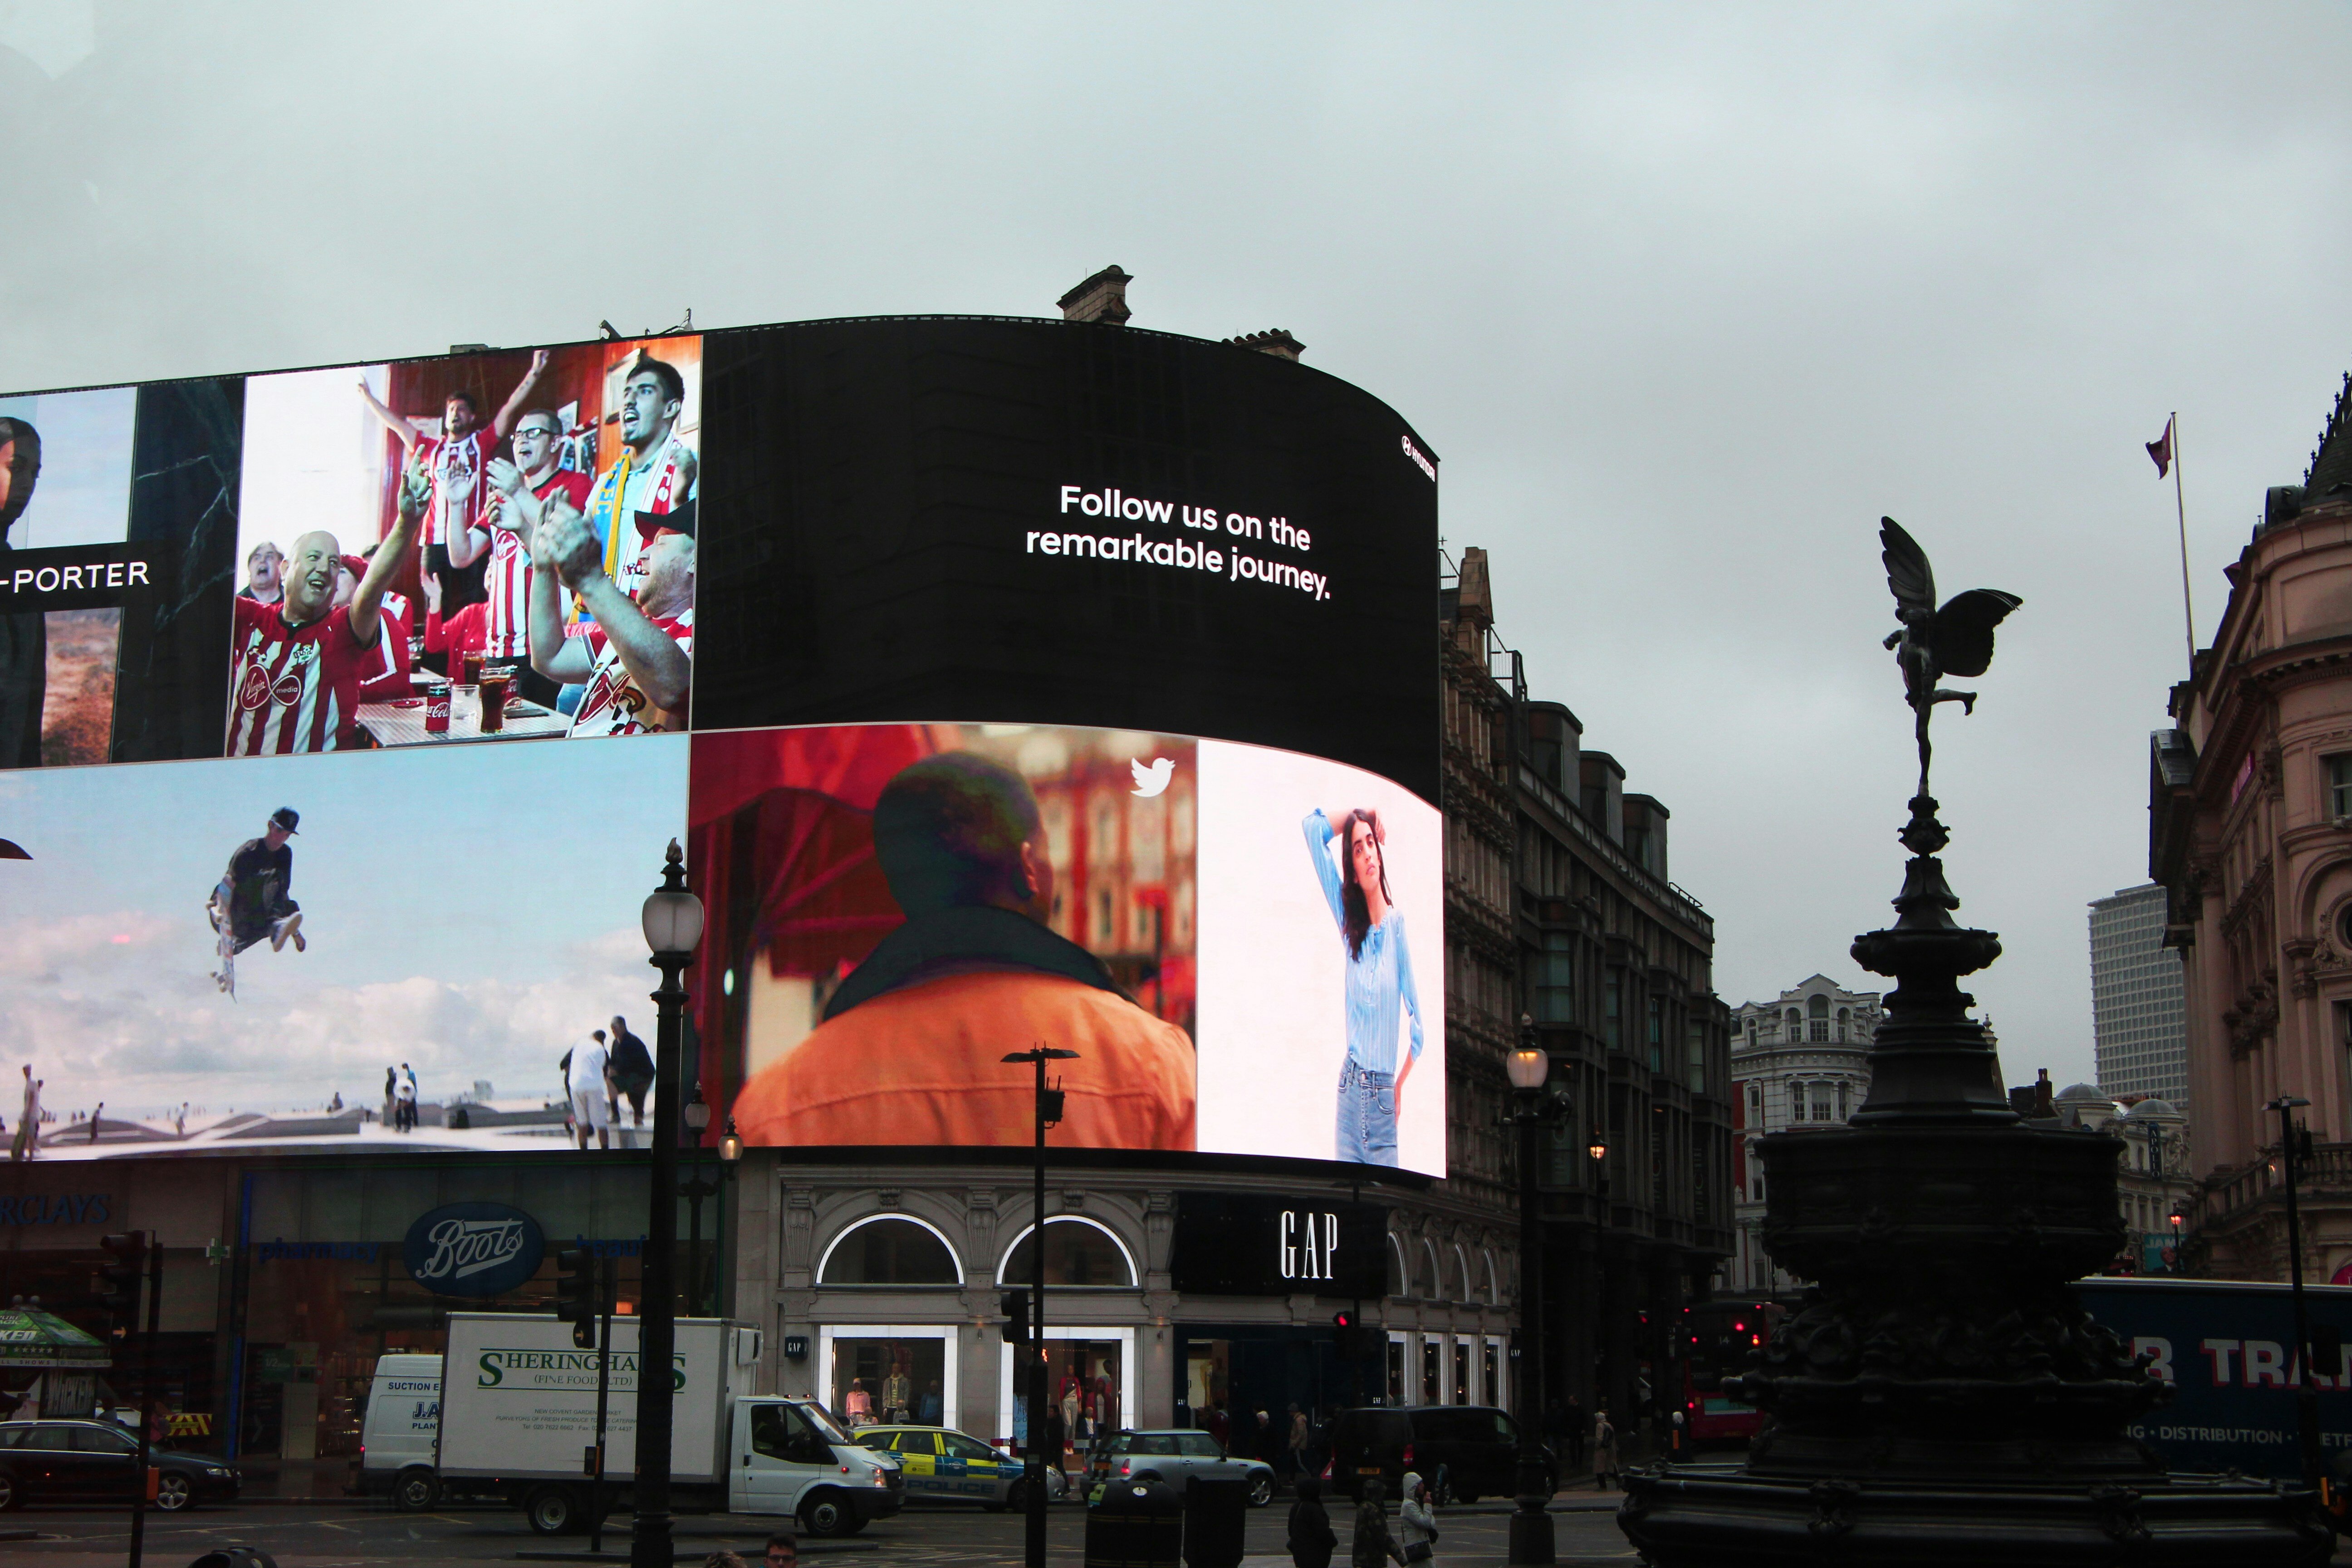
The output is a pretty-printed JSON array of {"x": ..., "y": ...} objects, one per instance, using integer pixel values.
[
  {"x": 1845, "y": 1015},
  {"x": 1462, "y": 1292},
  {"x": 1079, "y": 1252},
  {"x": 1425, "y": 1284},
  {"x": 1494, "y": 1292},
  {"x": 1396, "y": 1267},
  {"x": 889, "y": 1249},
  {"x": 1796, "y": 1024}
]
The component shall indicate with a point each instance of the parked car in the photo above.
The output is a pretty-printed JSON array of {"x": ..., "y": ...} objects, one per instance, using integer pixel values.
[
  {"x": 98, "y": 1461},
  {"x": 1174, "y": 1456},
  {"x": 1476, "y": 1444},
  {"x": 943, "y": 1465}
]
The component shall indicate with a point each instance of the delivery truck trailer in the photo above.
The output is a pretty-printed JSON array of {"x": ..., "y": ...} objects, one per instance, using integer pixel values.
[{"x": 518, "y": 1418}]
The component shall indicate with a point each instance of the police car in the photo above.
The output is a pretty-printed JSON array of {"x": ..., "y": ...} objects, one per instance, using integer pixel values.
[{"x": 945, "y": 1466}]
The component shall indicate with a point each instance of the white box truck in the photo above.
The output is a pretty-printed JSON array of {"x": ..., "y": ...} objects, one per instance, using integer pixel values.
[
  {"x": 519, "y": 1417},
  {"x": 400, "y": 1430}
]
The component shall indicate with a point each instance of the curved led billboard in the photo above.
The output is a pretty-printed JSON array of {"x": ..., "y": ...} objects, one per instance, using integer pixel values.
[{"x": 1047, "y": 683}]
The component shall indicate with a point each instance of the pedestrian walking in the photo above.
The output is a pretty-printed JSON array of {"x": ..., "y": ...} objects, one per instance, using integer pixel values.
[
  {"x": 1604, "y": 1452},
  {"x": 1310, "y": 1539},
  {"x": 94, "y": 1121},
  {"x": 1418, "y": 1520},
  {"x": 1373, "y": 1546}
]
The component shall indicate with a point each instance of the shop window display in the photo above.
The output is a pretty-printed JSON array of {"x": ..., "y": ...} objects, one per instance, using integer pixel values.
[
  {"x": 878, "y": 1381},
  {"x": 1083, "y": 1382}
]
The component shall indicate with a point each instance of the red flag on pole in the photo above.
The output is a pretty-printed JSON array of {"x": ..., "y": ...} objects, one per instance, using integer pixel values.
[{"x": 2161, "y": 450}]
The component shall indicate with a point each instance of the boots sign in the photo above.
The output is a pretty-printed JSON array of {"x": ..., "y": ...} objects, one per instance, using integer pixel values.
[
  {"x": 1251, "y": 1245},
  {"x": 473, "y": 1250}
]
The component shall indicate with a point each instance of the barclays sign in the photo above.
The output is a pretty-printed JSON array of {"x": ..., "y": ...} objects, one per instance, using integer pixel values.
[{"x": 473, "y": 1250}]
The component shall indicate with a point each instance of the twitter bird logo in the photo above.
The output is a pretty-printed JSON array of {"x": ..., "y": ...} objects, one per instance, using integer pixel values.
[{"x": 1153, "y": 780}]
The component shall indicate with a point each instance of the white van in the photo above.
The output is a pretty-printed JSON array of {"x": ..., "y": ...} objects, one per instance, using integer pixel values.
[{"x": 400, "y": 1436}]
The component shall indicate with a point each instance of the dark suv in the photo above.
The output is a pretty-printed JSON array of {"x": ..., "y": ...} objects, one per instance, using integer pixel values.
[{"x": 1477, "y": 1445}]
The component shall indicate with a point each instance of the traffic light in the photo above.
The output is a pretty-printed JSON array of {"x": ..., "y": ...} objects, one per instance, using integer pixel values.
[
  {"x": 1014, "y": 1305},
  {"x": 1355, "y": 1340},
  {"x": 118, "y": 1277},
  {"x": 575, "y": 1295}
]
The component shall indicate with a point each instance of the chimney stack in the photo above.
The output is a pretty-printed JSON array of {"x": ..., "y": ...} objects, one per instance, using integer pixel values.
[
  {"x": 1101, "y": 298},
  {"x": 1277, "y": 342}
]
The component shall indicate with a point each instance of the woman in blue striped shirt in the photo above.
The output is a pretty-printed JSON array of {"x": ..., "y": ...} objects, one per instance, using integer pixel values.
[{"x": 1379, "y": 979}]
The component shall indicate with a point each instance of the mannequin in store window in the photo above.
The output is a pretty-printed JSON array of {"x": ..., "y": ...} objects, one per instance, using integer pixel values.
[
  {"x": 858, "y": 1405},
  {"x": 898, "y": 1393}
]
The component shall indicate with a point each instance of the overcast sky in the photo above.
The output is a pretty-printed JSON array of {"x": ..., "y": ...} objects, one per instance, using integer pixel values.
[{"x": 1684, "y": 298}]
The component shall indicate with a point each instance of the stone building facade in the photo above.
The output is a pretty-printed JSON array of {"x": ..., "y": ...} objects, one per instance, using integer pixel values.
[
  {"x": 1800, "y": 1061},
  {"x": 1562, "y": 913},
  {"x": 2251, "y": 835}
]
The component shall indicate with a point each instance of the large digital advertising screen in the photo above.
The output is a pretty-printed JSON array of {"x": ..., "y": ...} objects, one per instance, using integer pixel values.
[{"x": 1004, "y": 682}]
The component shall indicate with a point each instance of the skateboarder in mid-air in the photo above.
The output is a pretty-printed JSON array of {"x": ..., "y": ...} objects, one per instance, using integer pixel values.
[{"x": 251, "y": 902}]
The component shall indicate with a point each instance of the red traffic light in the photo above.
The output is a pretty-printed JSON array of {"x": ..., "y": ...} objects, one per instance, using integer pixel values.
[{"x": 1343, "y": 1319}]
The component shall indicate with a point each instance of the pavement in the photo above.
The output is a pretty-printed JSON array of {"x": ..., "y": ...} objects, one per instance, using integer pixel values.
[{"x": 360, "y": 1535}]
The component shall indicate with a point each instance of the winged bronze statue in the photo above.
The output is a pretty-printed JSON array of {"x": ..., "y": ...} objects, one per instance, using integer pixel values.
[{"x": 1932, "y": 643}]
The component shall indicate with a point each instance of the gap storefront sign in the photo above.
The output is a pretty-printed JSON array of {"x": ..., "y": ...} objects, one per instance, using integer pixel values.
[{"x": 1234, "y": 1244}]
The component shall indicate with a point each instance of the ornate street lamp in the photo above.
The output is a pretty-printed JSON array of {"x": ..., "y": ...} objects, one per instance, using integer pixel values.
[
  {"x": 1531, "y": 1532},
  {"x": 673, "y": 928}
]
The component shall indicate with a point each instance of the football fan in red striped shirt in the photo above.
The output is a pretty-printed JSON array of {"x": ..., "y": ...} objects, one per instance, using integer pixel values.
[
  {"x": 637, "y": 655},
  {"x": 506, "y": 610},
  {"x": 458, "y": 457},
  {"x": 297, "y": 664}
]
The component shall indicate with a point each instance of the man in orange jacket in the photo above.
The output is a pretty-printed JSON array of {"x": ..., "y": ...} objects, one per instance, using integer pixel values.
[{"x": 912, "y": 1047}]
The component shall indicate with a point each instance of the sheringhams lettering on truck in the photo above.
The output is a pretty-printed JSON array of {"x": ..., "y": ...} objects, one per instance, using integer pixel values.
[{"x": 495, "y": 1364}]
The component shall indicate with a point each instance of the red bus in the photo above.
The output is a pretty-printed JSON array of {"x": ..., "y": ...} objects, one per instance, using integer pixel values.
[{"x": 1717, "y": 1338}]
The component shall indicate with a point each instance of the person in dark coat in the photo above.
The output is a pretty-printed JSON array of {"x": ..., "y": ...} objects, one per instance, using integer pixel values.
[
  {"x": 1374, "y": 1546},
  {"x": 1312, "y": 1539}
]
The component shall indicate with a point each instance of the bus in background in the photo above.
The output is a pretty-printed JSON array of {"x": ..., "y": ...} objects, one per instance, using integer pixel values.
[{"x": 1717, "y": 1339}]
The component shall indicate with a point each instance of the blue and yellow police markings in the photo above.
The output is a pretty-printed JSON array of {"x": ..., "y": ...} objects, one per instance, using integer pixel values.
[{"x": 966, "y": 1470}]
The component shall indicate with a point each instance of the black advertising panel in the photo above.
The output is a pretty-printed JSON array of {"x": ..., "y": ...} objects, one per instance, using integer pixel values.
[
  {"x": 1229, "y": 1244},
  {"x": 942, "y": 518}
]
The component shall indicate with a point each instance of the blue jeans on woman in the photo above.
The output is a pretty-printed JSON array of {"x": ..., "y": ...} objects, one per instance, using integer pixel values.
[{"x": 1368, "y": 1123}]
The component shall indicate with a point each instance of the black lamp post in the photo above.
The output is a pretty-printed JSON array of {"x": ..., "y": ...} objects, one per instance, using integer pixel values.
[
  {"x": 1531, "y": 1532},
  {"x": 2306, "y": 1398},
  {"x": 696, "y": 1116},
  {"x": 673, "y": 927},
  {"x": 1049, "y": 1111},
  {"x": 1598, "y": 1152}
]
